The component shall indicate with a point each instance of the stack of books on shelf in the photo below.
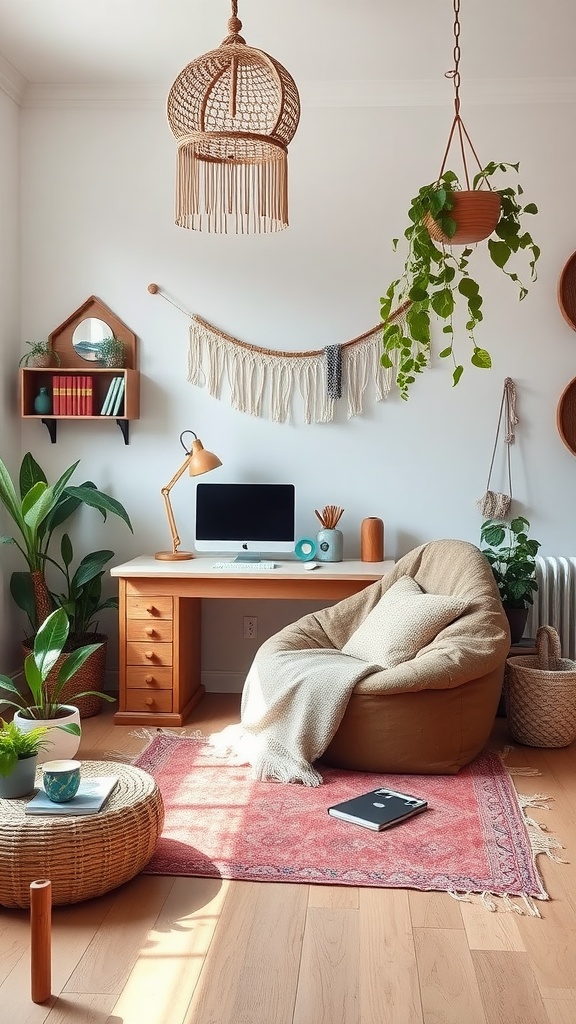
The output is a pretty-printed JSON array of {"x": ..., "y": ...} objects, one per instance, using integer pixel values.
[
  {"x": 114, "y": 399},
  {"x": 72, "y": 395}
]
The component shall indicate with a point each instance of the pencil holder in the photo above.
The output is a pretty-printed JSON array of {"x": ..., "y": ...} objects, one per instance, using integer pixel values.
[
  {"x": 372, "y": 539},
  {"x": 330, "y": 545}
]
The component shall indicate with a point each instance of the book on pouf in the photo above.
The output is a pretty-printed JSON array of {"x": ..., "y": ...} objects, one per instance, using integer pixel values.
[
  {"x": 90, "y": 798},
  {"x": 378, "y": 809}
]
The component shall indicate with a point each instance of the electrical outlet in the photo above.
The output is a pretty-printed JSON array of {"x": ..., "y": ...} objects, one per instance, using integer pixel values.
[{"x": 250, "y": 627}]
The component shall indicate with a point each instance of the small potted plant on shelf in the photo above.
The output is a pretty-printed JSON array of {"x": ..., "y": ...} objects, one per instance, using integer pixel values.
[
  {"x": 111, "y": 351},
  {"x": 512, "y": 557},
  {"x": 42, "y": 705},
  {"x": 41, "y": 354},
  {"x": 19, "y": 757},
  {"x": 38, "y": 509},
  {"x": 437, "y": 279}
]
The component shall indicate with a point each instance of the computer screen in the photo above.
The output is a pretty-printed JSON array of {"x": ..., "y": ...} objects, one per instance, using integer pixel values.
[{"x": 258, "y": 518}]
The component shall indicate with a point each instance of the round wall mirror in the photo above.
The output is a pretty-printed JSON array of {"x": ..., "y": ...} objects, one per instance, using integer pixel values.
[{"x": 88, "y": 337}]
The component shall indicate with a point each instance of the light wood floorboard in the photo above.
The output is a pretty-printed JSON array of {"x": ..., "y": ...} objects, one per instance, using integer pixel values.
[{"x": 207, "y": 951}]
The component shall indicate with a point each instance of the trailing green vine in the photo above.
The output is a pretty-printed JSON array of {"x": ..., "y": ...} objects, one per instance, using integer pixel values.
[{"x": 436, "y": 277}]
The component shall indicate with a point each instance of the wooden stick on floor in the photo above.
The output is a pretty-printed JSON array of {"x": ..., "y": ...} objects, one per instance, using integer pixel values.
[{"x": 41, "y": 939}]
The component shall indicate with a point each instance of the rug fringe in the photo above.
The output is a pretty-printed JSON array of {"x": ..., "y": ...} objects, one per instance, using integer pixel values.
[{"x": 495, "y": 902}]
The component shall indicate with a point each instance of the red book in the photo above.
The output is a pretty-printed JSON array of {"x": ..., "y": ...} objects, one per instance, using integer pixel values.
[
  {"x": 68, "y": 404},
  {"x": 83, "y": 380},
  {"x": 89, "y": 396},
  {"x": 56, "y": 395}
]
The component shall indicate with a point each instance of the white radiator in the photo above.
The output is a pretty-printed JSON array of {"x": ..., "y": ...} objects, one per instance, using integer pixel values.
[{"x": 555, "y": 601}]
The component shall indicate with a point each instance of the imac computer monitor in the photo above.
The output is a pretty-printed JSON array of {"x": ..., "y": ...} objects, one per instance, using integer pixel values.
[{"x": 244, "y": 518}]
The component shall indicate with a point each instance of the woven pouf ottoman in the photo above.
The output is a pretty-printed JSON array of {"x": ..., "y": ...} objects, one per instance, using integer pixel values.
[{"x": 82, "y": 855}]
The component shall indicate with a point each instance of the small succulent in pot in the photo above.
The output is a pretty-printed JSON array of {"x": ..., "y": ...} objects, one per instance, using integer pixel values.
[
  {"x": 111, "y": 351},
  {"x": 41, "y": 354}
]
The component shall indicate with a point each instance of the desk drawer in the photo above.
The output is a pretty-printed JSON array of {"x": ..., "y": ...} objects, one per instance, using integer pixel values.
[
  {"x": 149, "y": 608},
  {"x": 149, "y": 632},
  {"x": 149, "y": 678},
  {"x": 148, "y": 701},
  {"x": 148, "y": 653}
]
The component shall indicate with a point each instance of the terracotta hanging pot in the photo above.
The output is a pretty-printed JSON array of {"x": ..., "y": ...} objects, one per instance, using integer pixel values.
[{"x": 476, "y": 214}]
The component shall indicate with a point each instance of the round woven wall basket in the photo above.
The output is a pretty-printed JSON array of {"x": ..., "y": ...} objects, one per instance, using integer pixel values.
[
  {"x": 90, "y": 675},
  {"x": 541, "y": 695},
  {"x": 476, "y": 214}
]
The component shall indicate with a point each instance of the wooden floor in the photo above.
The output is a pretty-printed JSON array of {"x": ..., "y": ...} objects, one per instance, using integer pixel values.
[{"x": 206, "y": 951}]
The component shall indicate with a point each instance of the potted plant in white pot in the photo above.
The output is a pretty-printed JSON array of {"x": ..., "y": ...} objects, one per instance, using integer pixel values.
[
  {"x": 512, "y": 557},
  {"x": 41, "y": 705},
  {"x": 19, "y": 750}
]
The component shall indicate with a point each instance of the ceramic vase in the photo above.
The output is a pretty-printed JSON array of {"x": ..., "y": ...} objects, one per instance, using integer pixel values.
[
  {"x": 329, "y": 545},
  {"x": 60, "y": 745},
  {"x": 20, "y": 781},
  {"x": 372, "y": 539},
  {"x": 43, "y": 402}
]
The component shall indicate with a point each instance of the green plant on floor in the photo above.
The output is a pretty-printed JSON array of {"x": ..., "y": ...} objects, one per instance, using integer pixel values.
[
  {"x": 38, "y": 508},
  {"x": 512, "y": 557},
  {"x": 42, "y": 699},
  {"x": 17, "y": 745},
  {"x": 437, "y": 280}
]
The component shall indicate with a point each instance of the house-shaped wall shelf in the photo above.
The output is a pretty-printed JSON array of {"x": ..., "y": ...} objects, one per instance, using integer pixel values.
[{"x": 77, "y": 383}]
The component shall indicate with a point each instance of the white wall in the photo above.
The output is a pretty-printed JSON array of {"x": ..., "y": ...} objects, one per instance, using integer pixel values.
[
  {"x": 97, "y": 188},
  {"x": 9, "y": 348}
]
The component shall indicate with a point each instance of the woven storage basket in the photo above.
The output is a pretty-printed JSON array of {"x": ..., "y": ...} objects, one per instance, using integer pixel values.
[
  {"x": 541, "y": 694},
  {"x": 90, "y": 676},
  {"x": 476, "y": 214}
]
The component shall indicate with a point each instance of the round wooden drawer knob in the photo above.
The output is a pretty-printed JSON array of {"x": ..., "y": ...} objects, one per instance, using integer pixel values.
[
  {"x": 149, "y": 701},
  {"x": 150, "y": 632},
  {"x": 149, "y": 679},
  {"x": 151, "y": 609},
  {"x": 149, "y": 655}
]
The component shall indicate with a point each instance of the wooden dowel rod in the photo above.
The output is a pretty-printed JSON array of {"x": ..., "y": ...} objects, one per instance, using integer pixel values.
[{"x": 41, "y": 940}]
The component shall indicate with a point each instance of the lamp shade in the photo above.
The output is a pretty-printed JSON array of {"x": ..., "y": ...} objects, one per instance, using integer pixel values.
[
  {"x": 233, "y": 112},
  {"x": 202, "y": 461}
]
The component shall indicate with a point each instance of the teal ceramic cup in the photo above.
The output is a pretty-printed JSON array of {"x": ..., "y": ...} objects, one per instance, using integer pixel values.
[{"x": 61, "y": 780}]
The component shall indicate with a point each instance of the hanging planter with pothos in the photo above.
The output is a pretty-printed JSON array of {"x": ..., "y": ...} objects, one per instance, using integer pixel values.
[{"x": 436, "y": 278}]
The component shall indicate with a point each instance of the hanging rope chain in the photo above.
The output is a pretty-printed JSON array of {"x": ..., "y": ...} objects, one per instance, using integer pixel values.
[{"x": 463, "y": 136}]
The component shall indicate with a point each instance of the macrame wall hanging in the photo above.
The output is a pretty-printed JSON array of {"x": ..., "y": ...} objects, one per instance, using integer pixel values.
[
  {"x": 496, "y": 504},
  {"x": 264, "y": 382}
]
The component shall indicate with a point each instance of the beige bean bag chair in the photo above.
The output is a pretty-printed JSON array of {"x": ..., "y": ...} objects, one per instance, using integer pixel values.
[{"x": 445, "y": 642}]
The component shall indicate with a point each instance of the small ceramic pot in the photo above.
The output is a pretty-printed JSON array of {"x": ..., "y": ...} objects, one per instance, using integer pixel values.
[
  {"x": 20, "y": 781},
  {"x": 329, "y": 546},
  {"x": 61, "y": 780}
]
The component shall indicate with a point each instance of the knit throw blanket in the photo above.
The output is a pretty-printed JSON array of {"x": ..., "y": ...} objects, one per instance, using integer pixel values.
[{"x": 292, "y": 704}]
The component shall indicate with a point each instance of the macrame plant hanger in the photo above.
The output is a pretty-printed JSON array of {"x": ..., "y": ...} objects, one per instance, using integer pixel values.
[
  {"x": 476, "y": 210},
  {"x": 496, "y": 504}
]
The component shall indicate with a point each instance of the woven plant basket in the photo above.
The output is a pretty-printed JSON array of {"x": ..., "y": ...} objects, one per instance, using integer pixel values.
[
  {"x": 476, "y": 213},
  {"x": 89, "y": 677},
  {"x": 541, "y": 694}
]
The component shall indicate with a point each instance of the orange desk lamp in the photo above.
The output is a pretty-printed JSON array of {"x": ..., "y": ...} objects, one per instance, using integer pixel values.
[{"x": 197, "y": 461}]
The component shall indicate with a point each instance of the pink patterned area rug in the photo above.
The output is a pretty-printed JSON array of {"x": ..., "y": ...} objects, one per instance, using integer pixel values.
[{"x": 220, "y": 823}]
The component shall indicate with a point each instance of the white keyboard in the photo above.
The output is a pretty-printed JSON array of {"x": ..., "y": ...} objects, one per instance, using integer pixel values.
[{"x": 244, "y": 566}]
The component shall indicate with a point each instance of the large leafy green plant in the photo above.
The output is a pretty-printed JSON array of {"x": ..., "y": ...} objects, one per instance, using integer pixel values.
[
  {"x": 38, "y": 509},
  {"x": 42, "y": 699},
  {"x": 437, "y": 279},
  {"x": 512, "y": 557}
]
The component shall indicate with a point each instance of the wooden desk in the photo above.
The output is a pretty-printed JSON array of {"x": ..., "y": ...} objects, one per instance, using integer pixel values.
[{"x": 159, "y": 622}]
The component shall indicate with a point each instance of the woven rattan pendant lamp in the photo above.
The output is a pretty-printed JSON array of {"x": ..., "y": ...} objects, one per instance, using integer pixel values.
[{"x": 233, "y": 112}]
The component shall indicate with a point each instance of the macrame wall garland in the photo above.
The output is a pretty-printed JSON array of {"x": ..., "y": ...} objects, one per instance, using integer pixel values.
[
  {"x": 263, "y": 382},
  {"x": 496, "y": 504}
]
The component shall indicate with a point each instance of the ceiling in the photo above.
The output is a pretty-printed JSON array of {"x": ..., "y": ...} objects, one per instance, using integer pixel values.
[{"x": 130, "y": 42}]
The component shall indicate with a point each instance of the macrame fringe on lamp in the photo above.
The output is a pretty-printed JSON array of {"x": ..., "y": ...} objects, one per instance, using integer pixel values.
[{"x": 233, "y": 112}]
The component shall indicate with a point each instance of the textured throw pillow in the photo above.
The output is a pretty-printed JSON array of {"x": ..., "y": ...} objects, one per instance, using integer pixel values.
[{"x": 403, "y": 622}]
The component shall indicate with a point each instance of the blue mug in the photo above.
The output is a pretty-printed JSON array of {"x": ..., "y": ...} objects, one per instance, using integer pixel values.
[{"x": 61, "y": 780}]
